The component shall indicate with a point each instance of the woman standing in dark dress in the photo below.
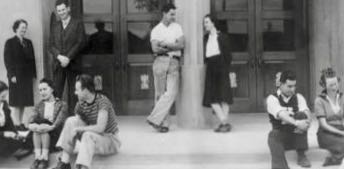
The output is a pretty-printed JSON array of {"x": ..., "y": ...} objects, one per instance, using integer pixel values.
[
  {"x": 217, "y": 57},
  {"x": 21, "y": 69}
]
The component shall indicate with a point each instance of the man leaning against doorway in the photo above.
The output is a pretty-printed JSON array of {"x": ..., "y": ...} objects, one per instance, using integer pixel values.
[{"x": 167, "y": 41}]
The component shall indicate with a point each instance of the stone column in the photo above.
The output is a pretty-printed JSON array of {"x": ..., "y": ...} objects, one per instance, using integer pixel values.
[
  {"x": 190, "y": 112},
  {"x": 326, "y": 30}
]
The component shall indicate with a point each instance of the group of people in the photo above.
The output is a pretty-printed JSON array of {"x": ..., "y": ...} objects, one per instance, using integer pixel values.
[
  {"x": 291, "y": 118},
  {"x": 93, "y": 126},
  {"x": 167, "y": 41},
  {"x": 87, "y": 124},
  {"x": 93, "y": 129}
]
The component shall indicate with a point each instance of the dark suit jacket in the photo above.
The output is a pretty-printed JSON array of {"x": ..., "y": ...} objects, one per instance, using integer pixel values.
[
  {"x": 68, "y": 42},
  {"x": 60, "y": 113},
  {"x": 19, "y": 59},
  {"x": 224, "y": 45}
]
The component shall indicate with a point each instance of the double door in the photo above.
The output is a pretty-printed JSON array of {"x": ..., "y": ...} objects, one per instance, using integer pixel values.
[
  {"x": 118, "y": 52},
  {"x": 267, "y": 36}
]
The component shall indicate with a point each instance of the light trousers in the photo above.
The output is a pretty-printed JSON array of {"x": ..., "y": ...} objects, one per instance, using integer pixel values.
[
  {"x": 166, "y": 82},
  {"x": 90, "y": 143}
]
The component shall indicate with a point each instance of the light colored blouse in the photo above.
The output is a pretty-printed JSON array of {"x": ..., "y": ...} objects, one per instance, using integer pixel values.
[
  {"x": 335, "y": 106},
  {"x": 49, "y": 110},
  {"x": 324, "y": 109},
  {"x": 212, "y": 47}
]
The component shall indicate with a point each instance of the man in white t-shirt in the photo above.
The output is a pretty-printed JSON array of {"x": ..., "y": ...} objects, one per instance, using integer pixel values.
[{"x": 167, "y": 40}]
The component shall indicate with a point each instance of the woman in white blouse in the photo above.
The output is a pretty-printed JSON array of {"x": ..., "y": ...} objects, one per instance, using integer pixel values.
[
  {"x": 217, "y": 57},
  {"x": 328, "y": 108},
  {"x": 46, "y": 123}
]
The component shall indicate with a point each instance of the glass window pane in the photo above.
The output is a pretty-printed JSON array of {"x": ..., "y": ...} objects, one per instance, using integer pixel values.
[
  {"x": 238, "y": 33},
  {"x": 143, "y": 6},
  {"x": 278, "y": 4},
  {"x": 278, "y": 35},
  {"x": 139, "y": 37},
  {"x": 99, "y": 38},
  {"x": 231, "y": 5},
  {"x": 97, "y": 6}
]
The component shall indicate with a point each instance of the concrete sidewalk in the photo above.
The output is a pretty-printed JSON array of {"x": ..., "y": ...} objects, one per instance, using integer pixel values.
[{"x": 243, "y": 148}]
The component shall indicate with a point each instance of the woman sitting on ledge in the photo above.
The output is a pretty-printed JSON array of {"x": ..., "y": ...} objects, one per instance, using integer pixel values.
[
  {"x": 46, "y": 123},
  {"x": 328, "y": 107}
]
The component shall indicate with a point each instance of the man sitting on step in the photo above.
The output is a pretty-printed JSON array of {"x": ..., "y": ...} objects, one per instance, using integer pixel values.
[
  {"x": 290, "y": 119},
  {"x": 94, "y": 127}
]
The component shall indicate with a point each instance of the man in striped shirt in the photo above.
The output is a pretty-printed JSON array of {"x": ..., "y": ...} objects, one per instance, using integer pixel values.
[{"x": 94, "y": 127}]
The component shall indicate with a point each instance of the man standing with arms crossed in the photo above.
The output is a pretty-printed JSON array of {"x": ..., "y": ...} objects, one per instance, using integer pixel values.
[{"x": 167, "y": 40}]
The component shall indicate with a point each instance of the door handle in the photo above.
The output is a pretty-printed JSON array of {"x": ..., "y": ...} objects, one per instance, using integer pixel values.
[
  {"x": 260, "y": 62},
  {"x": 252, "y": 62}
]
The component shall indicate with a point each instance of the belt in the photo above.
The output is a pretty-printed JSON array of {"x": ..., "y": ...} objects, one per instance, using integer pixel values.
[{"x": 166, "y": 55}]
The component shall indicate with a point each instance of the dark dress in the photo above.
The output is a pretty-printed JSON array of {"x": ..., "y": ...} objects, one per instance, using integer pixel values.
[
  {"x": 7, "y": 145},
  {"x": 327, "y": 140},
  {"x": 20, "y": 62},
  {"x": 217, "y": 82}
]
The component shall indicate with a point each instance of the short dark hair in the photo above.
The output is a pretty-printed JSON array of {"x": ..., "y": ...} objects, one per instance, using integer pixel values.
[
  {"x": 166, "y": 8},
  {"x": 213, "y": 20},
  {"x": 86, "y": 82},
  {"x": 17, "y": 23},
  {"x": 50, "y": 83},
  {"x": 287, "y": 75},
  {"x": 327, "y": 73},
  {"x": 99, "y": 25},
  {"x": 60, "y": 2},
  {"x": 3, "y": 86}
]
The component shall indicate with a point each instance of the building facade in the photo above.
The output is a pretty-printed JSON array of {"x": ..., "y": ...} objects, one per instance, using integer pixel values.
[{"x": 267, "y": 35}]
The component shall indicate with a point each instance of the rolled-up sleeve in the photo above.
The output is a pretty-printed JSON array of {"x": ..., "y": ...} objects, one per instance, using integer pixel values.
[
  {"x": 302, "y": 103},
  {"x": 273, "y": 106},
  {"x": 319, "y": 109}
]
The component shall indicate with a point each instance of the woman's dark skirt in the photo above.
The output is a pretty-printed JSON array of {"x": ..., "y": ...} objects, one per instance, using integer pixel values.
[
  {"x": 330, "y": 141},
  {"x": 217, "y": 83},
  {"x": 21, "y": 93}
]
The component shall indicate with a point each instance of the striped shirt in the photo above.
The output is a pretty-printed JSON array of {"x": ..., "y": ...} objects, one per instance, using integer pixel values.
[{"x": 89, "y": 112}]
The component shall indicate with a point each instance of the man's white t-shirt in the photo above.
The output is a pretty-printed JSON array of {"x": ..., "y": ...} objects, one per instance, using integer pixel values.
[{"x": 167, "y": 34}]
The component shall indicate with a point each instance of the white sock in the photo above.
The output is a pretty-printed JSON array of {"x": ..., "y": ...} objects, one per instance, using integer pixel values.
[
  {"x": 65, "y": 158},
  {"x": 38, "y": 153},
  {"x": 45, "y": 154}
]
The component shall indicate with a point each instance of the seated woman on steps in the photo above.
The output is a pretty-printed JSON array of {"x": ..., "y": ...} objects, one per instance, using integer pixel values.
[
  {"x": 46, "y": 123},
  {"x": 329, "y": 109}
]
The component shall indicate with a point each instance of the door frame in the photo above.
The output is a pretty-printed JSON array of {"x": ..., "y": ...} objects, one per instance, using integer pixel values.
[{"x": 256, "y": 57}]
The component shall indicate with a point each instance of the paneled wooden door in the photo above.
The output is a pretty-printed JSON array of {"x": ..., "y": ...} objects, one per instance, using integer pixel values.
[
  {"x": 138, "y": 17},
  {"x": 267, "y": 36},
  {"x": 120, "y": 57}
]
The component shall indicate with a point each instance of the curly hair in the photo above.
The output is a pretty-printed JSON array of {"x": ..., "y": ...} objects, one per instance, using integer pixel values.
[
  {"x": 327, "y": 73},
  {"x": 17, "y": 23}
]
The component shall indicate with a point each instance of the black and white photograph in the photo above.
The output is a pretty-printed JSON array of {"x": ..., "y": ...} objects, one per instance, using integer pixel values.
[{"x": 171, "y": 84}]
